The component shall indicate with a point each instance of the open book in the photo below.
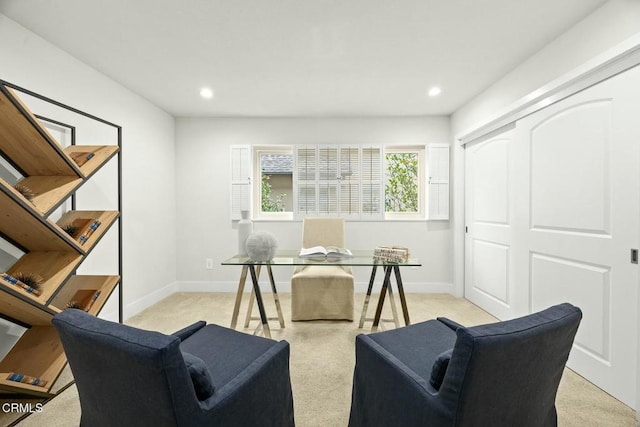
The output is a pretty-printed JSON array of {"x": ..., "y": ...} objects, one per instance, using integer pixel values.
[{"x": 321, "y": 252}]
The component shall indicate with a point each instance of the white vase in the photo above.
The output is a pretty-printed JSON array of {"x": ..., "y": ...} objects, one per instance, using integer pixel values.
[{"x": 245, "y": 227}]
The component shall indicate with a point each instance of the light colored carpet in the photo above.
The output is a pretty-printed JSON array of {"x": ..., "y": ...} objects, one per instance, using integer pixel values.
[{"x": 322, "y": 360}]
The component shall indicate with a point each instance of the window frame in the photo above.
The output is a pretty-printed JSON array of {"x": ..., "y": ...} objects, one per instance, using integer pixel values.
[
  {"x": 258, "y": 150},
  {"x": 420, "y": 150},
  {"x": 423, "y": 180}
]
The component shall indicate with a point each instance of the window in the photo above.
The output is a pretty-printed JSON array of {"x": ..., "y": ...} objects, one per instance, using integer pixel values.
[
  {"x": 273, "y": 192},
  {"x": 354, "y": 182},
  {"x": 404, "y": 187}
]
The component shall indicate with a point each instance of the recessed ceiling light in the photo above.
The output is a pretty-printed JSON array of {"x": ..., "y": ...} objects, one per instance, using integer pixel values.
[
  {"x": 206, "y": 93},
  {"x": 434, "y": 91}
]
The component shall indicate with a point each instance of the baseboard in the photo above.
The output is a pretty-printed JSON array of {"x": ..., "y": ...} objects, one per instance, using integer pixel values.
[
  {"x": 158, "y": 295},
  {"x": 139, "y": 305}
]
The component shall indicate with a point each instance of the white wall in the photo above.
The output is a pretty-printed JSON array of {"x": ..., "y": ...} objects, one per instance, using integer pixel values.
[
  {"x": 609, "y": 25},
  {"x": 148, "y": 155},
  {"x": 205, "y": 230}
]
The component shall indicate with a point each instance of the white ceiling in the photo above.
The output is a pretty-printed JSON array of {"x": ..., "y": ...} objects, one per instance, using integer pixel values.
[{"x": 301, "y": 57}]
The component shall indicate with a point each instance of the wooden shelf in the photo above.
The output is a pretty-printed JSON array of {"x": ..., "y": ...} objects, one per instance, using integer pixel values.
[
  {"x": 99, "y": 155},
  {"x": 28, "y": 144},
  {"x": 47, "y": 192},
  {"x": 25, "y": 311},
  {"x": 50, "y": 175},
  {"x": 50, "y": 191},
  {"x": 22, "y": 224},
  {"x": 53, "y": 267},
  {"x": 84, "y": 219},
  {"x": 39, "y": 354},
  {"x": 83, "y": 289}
]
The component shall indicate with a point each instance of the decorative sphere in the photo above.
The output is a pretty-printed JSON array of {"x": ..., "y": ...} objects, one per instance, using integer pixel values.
[{"x": 261, "y": 246}]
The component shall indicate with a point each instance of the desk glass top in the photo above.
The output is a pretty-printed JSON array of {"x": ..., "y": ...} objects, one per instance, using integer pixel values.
[{"x": 290, "y": 257}]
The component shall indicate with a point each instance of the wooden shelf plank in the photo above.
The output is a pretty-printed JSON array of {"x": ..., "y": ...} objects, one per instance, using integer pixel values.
[
  {"x": 46, "y": 192},
  {"x": 105, "y": 219},
  {"x": 100, "y": 154},
  {"x": 28, "y": 144},
  {"x": 53, "y": 267},
  {"x": 9, "y": 387},
  {"x": 50, "y": 191},
  {"x": 25, "y": 311},
  {"x": 39, "y": 354},
  {"x": 82, "y": 288},
  {"x": 21, "y": 223}
]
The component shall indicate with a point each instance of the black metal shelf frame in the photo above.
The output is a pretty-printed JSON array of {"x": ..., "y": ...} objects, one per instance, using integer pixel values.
[{"x": 118, "y": 129}]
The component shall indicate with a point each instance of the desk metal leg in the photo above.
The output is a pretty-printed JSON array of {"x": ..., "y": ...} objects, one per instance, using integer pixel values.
[
  {"x": 383, "y": 291},
  {"x": 275, "y": 296},
  {"x": 394, "y": 310},
  {"x": 367, "y": 297},
  {"x": 403, "y": 300},
  {"x": 236, "y": 307},
  {"x": 263, "y": 314},
  {"x": 252, "y": 298}
]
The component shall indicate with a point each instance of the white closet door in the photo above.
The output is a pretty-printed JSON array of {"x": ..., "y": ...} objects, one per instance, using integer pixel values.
[
  {"x": 578, "y": 191},
  {"x": 489, "y": 257}
]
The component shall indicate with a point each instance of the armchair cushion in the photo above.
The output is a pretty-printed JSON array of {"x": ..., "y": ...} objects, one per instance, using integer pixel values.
[
  {"x": 440, "y": 368},
  {"x": 200, "y": 376},
  {"x": 225, "y": 351},
  {"x": 418, "y": 346}
]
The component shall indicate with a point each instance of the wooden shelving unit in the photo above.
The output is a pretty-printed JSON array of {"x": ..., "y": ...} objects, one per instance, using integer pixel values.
[{"x": 53, "y": 250}]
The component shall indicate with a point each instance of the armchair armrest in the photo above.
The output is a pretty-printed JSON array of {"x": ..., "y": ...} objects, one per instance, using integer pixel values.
[
  {"x": 185, "y": 333},
  {"x": 387, "y": 392},
  {"x": 454, "y": 326},
  {"x": 262, "y": 391}
]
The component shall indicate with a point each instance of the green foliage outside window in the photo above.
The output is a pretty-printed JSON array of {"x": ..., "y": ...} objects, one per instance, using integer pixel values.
[
  {"x": 401, "y": 188},
  {"x": 269, "y": 203}
]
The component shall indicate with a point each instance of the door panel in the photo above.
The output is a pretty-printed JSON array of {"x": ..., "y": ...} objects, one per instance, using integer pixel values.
[
  {"x": 488, "y": 259},
  {"x": 580, "y": 193},
  {"x": 570, "y": 168},
  {"x": 588, "y": 286}
]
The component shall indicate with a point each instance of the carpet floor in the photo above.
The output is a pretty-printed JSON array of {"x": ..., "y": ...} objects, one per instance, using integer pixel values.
[{"x": 323, "y": 357}]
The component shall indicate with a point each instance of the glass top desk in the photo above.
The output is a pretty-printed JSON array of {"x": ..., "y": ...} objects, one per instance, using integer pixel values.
[{"x": 291, "y": 258}]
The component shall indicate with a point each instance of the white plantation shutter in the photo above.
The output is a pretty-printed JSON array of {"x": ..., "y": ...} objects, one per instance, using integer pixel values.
[
  {"x": 341, "y": 181},
  {"x": 327, "y": 180},
  {"x": 327, "y": 199},
  {"x": 438, "y": 181},
  {"x": 350, "y": 182},
  {"x": 304, "y": 181},
  {"x": 371, "y": 182},
  {"x": 240, "y": 179}
]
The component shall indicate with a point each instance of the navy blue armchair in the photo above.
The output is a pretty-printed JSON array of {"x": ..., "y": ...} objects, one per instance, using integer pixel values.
[
  {"x": 439, "y": 373},
  {"x": 201, "y": 375}
]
